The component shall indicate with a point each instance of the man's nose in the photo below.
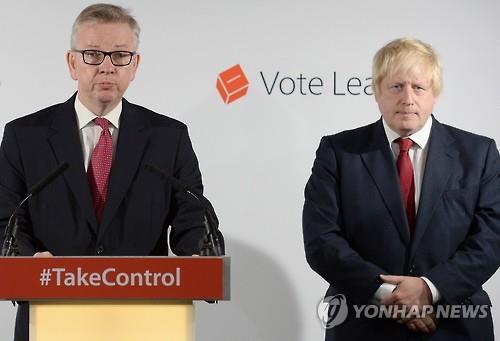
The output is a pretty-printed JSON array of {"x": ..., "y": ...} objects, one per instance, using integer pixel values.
[
  {"x": 408, "y": 95},
  {"x": 106, "y": 66}
]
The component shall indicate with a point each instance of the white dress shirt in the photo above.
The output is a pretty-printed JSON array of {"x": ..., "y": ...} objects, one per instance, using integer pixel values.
[
  {"x": 90, "y": 131},
  {"x": 418, "y": 157}
]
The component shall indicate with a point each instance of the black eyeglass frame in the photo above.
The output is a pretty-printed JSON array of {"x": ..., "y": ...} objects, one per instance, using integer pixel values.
[{"x": 131, "y": 54}]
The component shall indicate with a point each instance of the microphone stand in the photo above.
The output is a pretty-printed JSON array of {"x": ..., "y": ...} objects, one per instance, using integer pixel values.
[
  {"x": 9, "y": 246},
  {"x": 211, "y": 245}
]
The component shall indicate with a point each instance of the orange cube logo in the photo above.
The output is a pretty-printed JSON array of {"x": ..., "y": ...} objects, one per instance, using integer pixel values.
[{"x": 232, "y": 84}]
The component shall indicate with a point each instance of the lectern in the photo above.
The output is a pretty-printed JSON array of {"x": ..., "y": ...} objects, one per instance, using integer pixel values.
[{"x": 113, "y": 298}]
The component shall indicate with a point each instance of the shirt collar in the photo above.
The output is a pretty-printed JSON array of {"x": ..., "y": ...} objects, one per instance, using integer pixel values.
[
  {"x": 421, "y": 137},
  {"x": 85, "y": 116}
]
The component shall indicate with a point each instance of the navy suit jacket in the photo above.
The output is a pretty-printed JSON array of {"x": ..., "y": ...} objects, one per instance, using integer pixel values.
[
  {"x": 355, "y": 227},
  {"x": 140, "y": 206}
]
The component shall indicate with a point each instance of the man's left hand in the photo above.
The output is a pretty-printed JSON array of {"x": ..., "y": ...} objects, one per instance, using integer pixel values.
[{"x": 410, "y": 291}]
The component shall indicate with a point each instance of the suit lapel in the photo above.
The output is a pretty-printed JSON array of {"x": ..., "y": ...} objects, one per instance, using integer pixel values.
[
  {"x": 381, "y": 165},
  {"x": 440, "y": 161},
  {"x": 65, "y": 142},
  {"x": 133, "y": 137}
]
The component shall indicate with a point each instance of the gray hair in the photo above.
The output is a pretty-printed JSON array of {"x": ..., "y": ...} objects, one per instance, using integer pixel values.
[{"x": 105, "y": 13}]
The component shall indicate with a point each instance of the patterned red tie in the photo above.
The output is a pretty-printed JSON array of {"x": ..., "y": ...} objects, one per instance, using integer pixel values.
[
  {"x": 405, "y": 170},
  {"x": 100, "y": 167}
]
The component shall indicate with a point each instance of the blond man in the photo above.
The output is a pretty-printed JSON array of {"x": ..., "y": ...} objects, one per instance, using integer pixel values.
[{"x": 404, "y": 213}]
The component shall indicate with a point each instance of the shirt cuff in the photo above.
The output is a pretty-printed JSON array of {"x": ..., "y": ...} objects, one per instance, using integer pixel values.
[
  {"x": 383, "y": 290},
  {"x": 436, "y": 296}
]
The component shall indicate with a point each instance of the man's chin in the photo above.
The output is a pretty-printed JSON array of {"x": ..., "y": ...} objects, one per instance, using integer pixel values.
[
  {"x": 107, "y": 99},
  {"x": 406, "y": 130},
  {"x": 102, "y": 104}
]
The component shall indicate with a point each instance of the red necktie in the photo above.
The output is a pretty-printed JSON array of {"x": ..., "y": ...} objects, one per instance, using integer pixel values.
[
  {"x": 405, "y": 170},
  {"x": 100, "y": 167}
]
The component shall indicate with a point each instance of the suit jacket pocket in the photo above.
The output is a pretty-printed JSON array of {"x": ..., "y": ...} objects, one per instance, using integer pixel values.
[{"x": 480, "y": 297}]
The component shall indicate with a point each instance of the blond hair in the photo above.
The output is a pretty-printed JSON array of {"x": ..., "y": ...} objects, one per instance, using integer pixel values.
[{"x": 407, "y": 55}]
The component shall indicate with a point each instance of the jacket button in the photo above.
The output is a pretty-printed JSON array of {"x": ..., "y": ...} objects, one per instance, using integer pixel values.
[
  {"x": 100, "y": 250},
  {"x": 412, "y": 269}
]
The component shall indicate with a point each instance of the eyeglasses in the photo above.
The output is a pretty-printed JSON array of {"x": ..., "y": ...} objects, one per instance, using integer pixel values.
[{"x": 96, "y": 57}]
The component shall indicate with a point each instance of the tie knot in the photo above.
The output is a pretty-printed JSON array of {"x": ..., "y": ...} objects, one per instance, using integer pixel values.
[
  {"x": 102, "y": 122},
  {"x": 405, "y": 144}
]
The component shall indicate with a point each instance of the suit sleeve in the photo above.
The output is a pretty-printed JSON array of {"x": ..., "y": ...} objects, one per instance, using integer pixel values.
[
  {"x": 186, "y": 214},
  {"x": 12, "y": 190},
  {"x": 478, "y": 257},
  {"x": 327, "y": 250}
]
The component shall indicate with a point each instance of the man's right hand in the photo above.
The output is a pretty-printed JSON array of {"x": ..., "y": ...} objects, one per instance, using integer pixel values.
[{"x": 43, "y": 254}]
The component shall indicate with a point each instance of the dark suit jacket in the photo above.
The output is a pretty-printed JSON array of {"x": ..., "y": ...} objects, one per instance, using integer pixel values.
[
  {"x": 355, "y": 226},
  {"x": 140, "y": 205}
]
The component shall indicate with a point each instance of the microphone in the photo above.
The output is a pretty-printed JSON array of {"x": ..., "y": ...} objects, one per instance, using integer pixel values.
[
  {"x": 44, "y": 182},
  {"x": 9, "y": 247},
  {"x": 211, "y": 242}
]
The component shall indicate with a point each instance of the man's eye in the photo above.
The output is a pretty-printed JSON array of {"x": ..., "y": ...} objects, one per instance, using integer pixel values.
[
  {"x": 121, "y": 55},
  {"x": 92, "y": 54}
]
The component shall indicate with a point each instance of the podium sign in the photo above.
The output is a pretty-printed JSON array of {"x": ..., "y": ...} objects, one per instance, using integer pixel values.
[{"x": 113, "y": 298}]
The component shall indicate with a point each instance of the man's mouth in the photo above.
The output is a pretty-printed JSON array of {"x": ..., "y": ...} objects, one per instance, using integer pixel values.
[{"x": 105, "y": 85}]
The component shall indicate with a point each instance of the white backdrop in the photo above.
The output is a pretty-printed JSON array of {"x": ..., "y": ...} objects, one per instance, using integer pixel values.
[{"x": 256, "y": 153}]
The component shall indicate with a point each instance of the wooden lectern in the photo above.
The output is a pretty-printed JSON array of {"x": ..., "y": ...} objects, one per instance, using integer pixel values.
[{"x": 113, "y": 298}]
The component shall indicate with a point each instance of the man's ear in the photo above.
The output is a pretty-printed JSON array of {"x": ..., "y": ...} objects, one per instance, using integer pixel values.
[
  {"x": 71, "y": 61},
  {"x": 137, "y": 58}
]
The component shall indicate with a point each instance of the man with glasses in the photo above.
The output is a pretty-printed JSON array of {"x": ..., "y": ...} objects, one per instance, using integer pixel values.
[{"x": 106, "y": 202}]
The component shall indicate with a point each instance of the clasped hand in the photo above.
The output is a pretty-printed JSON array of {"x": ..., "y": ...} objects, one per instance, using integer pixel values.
[{"x": 411, "y": 293}]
